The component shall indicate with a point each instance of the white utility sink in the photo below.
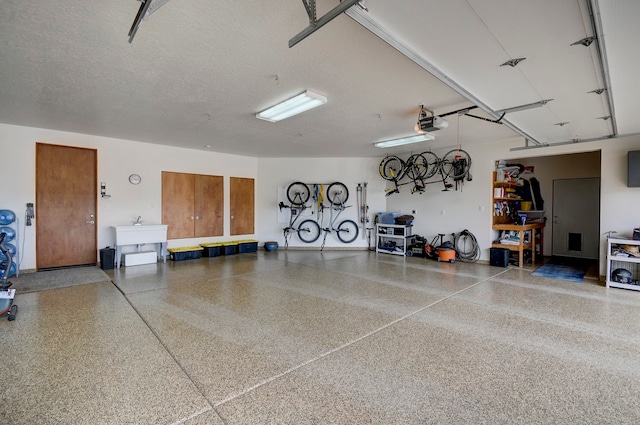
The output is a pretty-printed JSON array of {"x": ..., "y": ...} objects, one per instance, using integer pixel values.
[{"x": 140, "y": 235}]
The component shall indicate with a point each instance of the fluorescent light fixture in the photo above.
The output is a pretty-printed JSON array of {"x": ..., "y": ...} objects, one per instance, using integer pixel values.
[
  {"x": 294, "y": 106},
  {"x": 404, "y": 140},
  {"x": 524, "y": 107}
]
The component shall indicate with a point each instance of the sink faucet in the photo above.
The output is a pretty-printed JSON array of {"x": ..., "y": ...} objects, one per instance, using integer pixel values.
[{"x": 138, "y": 221}]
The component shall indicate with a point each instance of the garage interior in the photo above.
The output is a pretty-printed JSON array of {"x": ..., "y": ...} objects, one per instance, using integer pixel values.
[{"x": 342, "y": 335}]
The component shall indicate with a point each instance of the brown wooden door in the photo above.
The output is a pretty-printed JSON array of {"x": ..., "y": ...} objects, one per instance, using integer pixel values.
[
  {"x": 66, "y": 200},
  {"x": 242, "y": 204},
  {"x": 208, "y": 206},
  {"x": 177, "y": 204}
]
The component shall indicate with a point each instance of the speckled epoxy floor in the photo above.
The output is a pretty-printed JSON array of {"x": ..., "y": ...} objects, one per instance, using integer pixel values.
[{"x": 339, "y": 337}]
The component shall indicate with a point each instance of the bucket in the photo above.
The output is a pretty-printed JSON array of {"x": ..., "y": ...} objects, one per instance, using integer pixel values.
[{"x": 526, "y": 205}]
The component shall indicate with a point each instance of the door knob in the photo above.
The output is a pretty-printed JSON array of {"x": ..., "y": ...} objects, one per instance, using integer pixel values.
[
  {"x": 90, "y": 222},
  {"x": 232, "y": 217}
]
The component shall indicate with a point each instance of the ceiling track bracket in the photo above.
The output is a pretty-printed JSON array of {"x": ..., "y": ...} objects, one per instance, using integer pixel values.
[
  {"x": 316, "y": 24},
  {"x": 596, "y": 23},
  {"x": 310, "y": 6},
  {"x": 146, "y": 9}
]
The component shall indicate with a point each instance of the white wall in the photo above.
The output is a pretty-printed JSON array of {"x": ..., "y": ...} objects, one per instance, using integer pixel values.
[
  {"x": 275, "y": 173},
  {"x": 550, "y": 168},
  {"x": 117, "y": 159},
  {"x": 467, "y": 209},
  {"x": 471, "y": 208}
]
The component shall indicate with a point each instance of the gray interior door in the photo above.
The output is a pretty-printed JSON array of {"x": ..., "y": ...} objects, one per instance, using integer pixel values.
[{"x": 576, "y": 217}]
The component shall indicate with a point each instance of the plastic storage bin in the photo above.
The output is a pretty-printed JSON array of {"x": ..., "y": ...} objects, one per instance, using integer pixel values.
[
  {"x": 211, "y": 249},
  {"x": 247, "y": 245},
  {"x": 186, "y": 253},
  {"x": 229, "y": 248}
]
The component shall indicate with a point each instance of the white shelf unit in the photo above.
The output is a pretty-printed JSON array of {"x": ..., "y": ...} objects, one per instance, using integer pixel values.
[
  {"x": 630, "y": 263},
  {"x": 397, "y": 234}
]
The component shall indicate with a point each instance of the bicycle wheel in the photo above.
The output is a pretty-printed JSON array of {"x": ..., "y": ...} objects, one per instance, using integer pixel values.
[
  {"x": 347, "y": 231},
  {"x": 309, "y": 231},
  {"x": 298, "y": 193},
  {"x": 416, "y": 166},
  {"x": 456, "y": 163},
  {"x": 391, "y": 168},
  {"x": 432, "y": 164},
  {"x": 337, "y": 193}
]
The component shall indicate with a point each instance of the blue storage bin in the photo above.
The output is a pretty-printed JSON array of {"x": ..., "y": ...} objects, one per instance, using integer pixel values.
[
  {"x": 211, "y": 249},
  {"x": 247, "y": 245},
  {"x": 185, "y": 253},
  {"x": 230, "y": 248}
]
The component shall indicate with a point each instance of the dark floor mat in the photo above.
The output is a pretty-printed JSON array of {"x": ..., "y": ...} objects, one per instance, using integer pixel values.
[
  {"x": 60, "y": 278},
  {"x": 564, "y": 268}
]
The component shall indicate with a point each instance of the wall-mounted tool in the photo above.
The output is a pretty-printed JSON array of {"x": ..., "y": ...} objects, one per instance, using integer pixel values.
[
  {"x": 29, "y": 214},
  {"x": 103, "y": 191}
]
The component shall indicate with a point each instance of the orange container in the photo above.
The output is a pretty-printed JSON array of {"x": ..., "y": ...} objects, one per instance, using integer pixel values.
[{"x": 447, "y": 255}]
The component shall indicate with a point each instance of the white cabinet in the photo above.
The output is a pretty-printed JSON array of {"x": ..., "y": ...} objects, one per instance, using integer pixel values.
[
  {"x": 393, "y": 238},
  {"x": 623, "y": 257}
]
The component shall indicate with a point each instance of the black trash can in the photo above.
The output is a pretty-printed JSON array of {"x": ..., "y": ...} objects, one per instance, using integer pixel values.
[
  {"x": 499, "y": 257},
  {"x": 107, "y": 258}
]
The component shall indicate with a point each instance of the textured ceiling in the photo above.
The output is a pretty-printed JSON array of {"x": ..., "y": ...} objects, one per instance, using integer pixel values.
[{"x": 197, "y": 72}]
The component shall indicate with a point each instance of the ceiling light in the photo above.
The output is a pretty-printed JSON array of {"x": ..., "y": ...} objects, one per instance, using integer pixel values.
[
  {"x": 404, "y": 140},
  {"x": 295, "y": 105},
  {"x": 524, "y": 107}
]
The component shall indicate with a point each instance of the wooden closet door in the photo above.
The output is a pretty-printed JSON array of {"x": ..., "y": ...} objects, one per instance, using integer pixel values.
[
  {"x": 208, "y": 206},
  {"x": 242, "y": 206},
  {"x": 177, "y": 204}
]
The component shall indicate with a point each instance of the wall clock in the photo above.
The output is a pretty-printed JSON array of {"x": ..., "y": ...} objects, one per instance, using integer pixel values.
[{"x": 135, "y": 179}]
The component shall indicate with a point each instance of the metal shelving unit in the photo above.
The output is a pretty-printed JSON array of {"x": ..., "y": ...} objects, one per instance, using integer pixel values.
[
  {"x": 393, "y": 235},
  {"x": 628, "y": 262}
]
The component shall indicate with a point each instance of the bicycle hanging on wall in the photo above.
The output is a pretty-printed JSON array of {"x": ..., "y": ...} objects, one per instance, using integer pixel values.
[
  {"x": 426, "y": 168},
  {"x": 346, "y": 230},
  {"x": 308, "y": 230}
]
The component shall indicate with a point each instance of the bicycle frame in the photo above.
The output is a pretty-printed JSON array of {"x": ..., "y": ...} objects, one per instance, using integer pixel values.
[
  {"x": 309, "y": 228},
  {"x": 294, "y": 214},
  {"x": 421, "y": 167},
  {"x": 347, "y": 231}
]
